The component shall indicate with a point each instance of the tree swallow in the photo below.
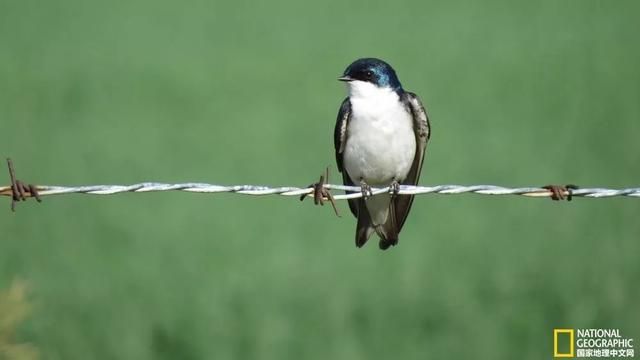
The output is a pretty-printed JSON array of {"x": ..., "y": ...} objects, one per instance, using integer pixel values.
[{"x": 380, "y": 137}]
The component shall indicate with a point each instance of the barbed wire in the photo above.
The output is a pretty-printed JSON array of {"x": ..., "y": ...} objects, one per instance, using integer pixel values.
[
  {"x": 355, "y": 191},
  {"x": 18, "y": 190}
]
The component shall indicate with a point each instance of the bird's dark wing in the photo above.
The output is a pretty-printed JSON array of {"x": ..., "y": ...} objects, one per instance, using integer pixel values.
[
  {"x": 339, "y": 142},
  {"x": 422, "y": 130},
  {"x": 340, "y": 131}
]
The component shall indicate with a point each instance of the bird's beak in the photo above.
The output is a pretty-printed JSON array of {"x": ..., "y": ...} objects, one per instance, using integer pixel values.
[{"x": 345, "y": 78}]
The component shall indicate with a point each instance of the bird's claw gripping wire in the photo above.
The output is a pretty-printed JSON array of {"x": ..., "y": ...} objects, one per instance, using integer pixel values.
[
  {"x": 394, "y": 188},
  {"x": 558, "y": 192},
  {"x": 322, "y": 194},
  {"x": 365, "y": 189},
  {"x": 19, "y": 190}
]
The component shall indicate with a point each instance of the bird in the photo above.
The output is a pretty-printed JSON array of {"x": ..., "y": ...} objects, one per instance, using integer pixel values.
[{"x": 380, "y": 138}]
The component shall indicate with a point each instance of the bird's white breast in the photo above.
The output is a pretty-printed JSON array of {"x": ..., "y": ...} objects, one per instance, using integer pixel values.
[{"x": 380, "y": 144}]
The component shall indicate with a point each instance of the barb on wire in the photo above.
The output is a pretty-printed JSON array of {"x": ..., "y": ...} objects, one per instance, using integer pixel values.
[
  {"x": 19, "y": 191},
  {"x": 321, "y": 193}
]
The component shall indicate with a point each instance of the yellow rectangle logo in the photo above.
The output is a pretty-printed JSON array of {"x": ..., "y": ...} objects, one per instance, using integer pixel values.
[{"x": 557, "y": 354}]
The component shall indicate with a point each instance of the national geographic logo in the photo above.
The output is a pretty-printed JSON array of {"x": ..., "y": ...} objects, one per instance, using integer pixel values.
[{"x": 591, "y": 343}]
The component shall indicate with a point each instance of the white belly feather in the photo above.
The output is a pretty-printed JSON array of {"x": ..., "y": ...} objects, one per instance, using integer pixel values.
[{"x": 380, "y": 144}]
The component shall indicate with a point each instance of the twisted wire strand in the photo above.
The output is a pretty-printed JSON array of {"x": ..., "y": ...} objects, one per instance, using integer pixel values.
[{"x": 355, "y": 192}]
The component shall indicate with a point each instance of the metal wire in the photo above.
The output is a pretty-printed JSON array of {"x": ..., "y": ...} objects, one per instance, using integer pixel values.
[{"x": 44, "y": 190}]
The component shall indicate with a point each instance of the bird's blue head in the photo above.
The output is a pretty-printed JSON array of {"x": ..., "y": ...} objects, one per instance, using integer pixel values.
[{"x": 374, "y": 71}]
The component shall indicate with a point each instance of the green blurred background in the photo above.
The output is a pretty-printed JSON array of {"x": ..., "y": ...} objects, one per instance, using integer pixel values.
[{"x": 246, "y": 93}]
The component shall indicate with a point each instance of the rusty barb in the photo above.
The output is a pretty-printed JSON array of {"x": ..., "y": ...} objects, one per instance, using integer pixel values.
[
  {"x": 19, "y": 191},
  {"x": 321, "y": 192}
]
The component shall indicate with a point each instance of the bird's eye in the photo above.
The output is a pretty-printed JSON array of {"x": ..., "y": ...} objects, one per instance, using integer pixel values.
[{"x": 369, "y": 73}]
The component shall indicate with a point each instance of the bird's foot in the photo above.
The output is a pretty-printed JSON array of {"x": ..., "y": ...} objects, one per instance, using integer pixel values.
[
  {"x": 365, "y": 189},
  {"x": 320, "y": 193},
  {"x": 19, "y": 190},
  {"x": 559, "y": 192},
  {"x": 394, "y": 188}
]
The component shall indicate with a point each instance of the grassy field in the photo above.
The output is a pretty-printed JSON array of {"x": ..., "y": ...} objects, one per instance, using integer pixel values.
[{"x": 245, "y": 93}]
